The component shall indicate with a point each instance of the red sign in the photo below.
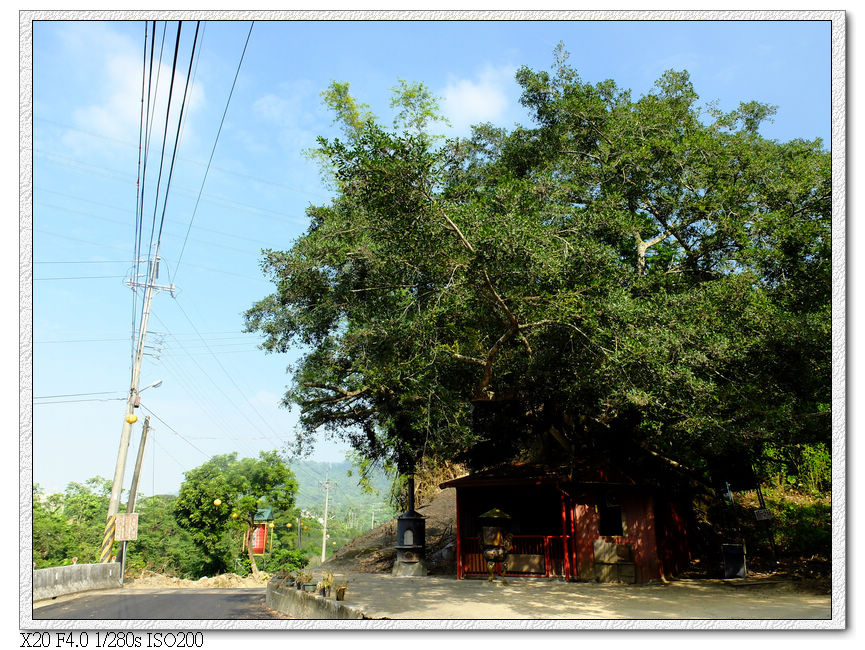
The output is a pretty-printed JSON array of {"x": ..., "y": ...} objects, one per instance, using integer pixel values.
[{"x": 259, "y": 539}]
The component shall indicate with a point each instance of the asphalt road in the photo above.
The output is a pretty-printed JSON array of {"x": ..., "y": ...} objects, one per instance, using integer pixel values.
[{"x": 161, "y": 604}]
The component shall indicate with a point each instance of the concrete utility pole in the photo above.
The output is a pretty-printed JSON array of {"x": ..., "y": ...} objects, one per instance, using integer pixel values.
[
  {"x": 324, "y": 529},
  {"x": 131, "y": 403},
  {"x": 133, "y": 491}
]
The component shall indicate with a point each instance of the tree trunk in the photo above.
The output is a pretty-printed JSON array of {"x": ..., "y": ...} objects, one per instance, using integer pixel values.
[{"x": 252, "y": 564}]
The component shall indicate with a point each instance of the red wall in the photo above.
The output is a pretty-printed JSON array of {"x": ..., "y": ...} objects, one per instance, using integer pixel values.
[
  {"x": 672, "y": 539},
  {"x": 638, "y": 512},
  {"x": 658, "y": 538},
  {"x": 586, "y": 531}
]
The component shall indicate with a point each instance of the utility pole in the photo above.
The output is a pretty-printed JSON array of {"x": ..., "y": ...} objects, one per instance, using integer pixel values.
[
  {"x": 133, "y": 491},
  {"x": 324, "y": 529},
  {"x": 131, "y": 403}
]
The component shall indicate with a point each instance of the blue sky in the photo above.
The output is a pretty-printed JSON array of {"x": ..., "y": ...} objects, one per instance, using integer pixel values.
[{"x": 219, "y": 392}]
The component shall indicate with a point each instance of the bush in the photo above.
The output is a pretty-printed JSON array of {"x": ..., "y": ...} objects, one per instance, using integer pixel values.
[
  {"x": 803, "y": 528},
  {"x": 803, "y": 468},
  {"x": 286, "y": 560}
]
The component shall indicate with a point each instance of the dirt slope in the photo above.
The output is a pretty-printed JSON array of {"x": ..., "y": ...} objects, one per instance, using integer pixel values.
[{"x": 374, "y": 552}]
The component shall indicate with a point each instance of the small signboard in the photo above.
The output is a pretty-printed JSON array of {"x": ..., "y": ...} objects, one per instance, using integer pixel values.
[
  {"x": 762, "y": 514},
  {"x": 127, "y": 527}
]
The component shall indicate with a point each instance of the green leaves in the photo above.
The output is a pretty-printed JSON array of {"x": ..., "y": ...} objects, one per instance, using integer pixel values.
[
  {"x": 624, "y": 265},
  {"x": 225, "y": 486}
]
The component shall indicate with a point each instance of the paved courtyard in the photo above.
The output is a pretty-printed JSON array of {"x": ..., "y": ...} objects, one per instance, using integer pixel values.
[{"x": 385, "y": 596}]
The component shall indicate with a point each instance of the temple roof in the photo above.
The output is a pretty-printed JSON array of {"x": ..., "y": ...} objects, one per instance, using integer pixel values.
[{"x": 540, "y": 474}]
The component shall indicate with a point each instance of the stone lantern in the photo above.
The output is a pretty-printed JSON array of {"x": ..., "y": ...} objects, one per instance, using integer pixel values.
[{"x": 410, "y": 540}]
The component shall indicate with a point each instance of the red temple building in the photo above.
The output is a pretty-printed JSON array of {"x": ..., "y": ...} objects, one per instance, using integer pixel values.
[{"x": 577, "y": 524}]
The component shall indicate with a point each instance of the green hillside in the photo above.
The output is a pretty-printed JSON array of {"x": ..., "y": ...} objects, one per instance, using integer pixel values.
[{"x": 352, "y": 509}]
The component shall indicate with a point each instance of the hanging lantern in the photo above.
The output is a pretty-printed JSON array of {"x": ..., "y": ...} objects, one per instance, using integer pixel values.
[{"x": 132, "y": 418}]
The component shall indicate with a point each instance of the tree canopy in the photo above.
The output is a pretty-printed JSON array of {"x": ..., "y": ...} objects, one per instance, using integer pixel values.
[
  {"x": 641, "y": 270},
  {"x": 226, "y": 493}
]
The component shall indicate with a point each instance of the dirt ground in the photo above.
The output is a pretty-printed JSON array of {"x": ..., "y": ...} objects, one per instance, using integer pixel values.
[
  {"x": 446, "y": 598},
  {"x": 151, "y": 580},
  {"x": 366, "y": 562}
]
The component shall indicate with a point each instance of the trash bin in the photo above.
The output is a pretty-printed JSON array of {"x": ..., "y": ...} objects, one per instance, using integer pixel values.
[{"x": 734, "y": 560}]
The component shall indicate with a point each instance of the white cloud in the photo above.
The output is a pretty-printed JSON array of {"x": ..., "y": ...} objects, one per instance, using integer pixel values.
[
  {"x": 286, "y": 121},
  {"x": 486, "y": 98},
  {"x": 289, "y": 104},
  {"x": 112, "y": 62}
]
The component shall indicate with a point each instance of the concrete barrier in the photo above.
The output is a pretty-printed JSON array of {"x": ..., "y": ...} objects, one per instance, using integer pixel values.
[
  {"x": 57, "y": 581},
  {"x": 298, "y": 604}
]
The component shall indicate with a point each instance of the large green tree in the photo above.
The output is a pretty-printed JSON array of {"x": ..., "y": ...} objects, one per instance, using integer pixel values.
[
  {"x": 224, "y": 495},
  {"x": 644, "y": 271}
]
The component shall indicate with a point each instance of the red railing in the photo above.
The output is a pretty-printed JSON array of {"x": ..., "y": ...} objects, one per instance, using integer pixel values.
[{"x": 531, "y": 555}]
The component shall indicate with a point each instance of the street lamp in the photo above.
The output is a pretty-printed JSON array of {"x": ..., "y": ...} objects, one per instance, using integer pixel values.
[{"x": 155, "y": 384}]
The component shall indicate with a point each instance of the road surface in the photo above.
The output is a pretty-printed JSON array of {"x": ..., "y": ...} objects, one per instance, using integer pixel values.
[{"x": 160, "y": 604}]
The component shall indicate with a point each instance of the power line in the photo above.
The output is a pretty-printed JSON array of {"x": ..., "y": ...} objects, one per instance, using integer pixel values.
[
  {"x": 179, "y": 124},
  {"x": 205, "y": 354},
  {"x": 110, "y": 220},
  {"x": 210, "y": 407},
  {"x": 118, "y": 208},
  {"x": 76, "y": 239},
  {"x": 81, "y": 262},
  {"x": 164, "y": 141},
  {"x": 79, "y": 341},
  {"x": 230, "y": 378},
  {"x": 179, "y": 435},
  {"x": 231, "y": 172},
  {"x": 213, "y": 150},
  {"x": 99, "y": 340},
  {"x": 206, "y": 398},
  {"x": 69, "y": 401},
  {"x": 82, "y": 277},
  {"x": 139, "y": 188},
  {"x": 215, "y": 199},
  {"x": 148, "y": 132},
  {"x": 104, "y": 392},
  {"x": 150, "y": 287}
]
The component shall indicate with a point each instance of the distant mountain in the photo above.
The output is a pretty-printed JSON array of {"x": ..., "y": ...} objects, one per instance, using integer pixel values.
[{"x": 346, "y": 499}]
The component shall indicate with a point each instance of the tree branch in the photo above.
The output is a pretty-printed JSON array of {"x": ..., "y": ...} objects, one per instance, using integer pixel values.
[{"x": 643, "y": 246}]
